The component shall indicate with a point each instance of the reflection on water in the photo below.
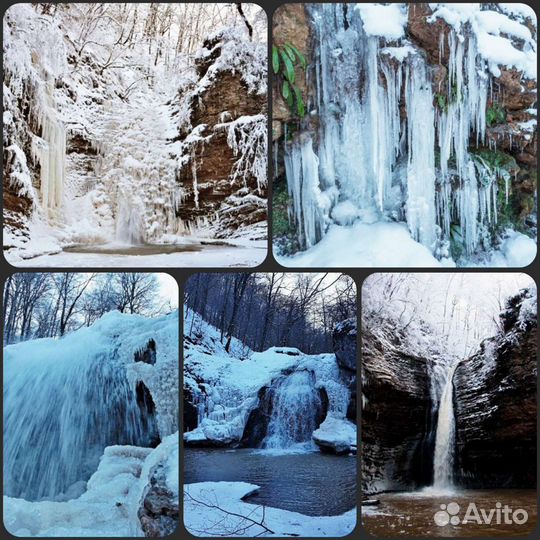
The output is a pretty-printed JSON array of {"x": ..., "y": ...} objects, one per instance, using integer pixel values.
[
  {"x": 311, "y": 483},
  {"x": 414, "y": 514}
]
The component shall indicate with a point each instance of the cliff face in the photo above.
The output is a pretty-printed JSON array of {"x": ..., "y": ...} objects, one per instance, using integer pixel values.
[
  {"x": 396, "y": 415},
  {"x": 223, "y": 169},
  {"x": 495, "y": 404}
]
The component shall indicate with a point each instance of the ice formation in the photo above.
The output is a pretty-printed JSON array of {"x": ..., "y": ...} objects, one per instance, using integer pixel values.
[{"x": 419, "y": 169}]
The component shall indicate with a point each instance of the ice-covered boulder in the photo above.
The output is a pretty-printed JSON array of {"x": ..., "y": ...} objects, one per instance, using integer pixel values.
[
  {"x": 158, "y": 510},
  {"x": 336, "y": 435}
]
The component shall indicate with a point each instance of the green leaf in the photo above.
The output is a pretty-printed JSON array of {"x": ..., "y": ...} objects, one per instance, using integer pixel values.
[
  {"x": 288, "y": 49},
  {"x": 275, "y": 59},
  {"x": 300, "y": 107},
  {"x": 287, "y": 94},
  {"x": 299, "y": 55},
  {"x": 289, "y": 69}
]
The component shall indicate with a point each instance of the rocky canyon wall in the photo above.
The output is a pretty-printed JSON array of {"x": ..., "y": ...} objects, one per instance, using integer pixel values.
[{"x": 495, "y": 403}]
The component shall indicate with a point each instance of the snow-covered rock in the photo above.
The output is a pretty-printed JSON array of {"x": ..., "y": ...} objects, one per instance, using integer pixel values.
[{"x": 336, "y": 435}]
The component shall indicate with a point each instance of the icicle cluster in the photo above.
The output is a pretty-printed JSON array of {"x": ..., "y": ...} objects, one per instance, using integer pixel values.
[{"x": 385, "y": 143}]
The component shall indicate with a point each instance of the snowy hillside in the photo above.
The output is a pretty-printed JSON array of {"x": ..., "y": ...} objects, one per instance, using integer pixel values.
[
  {"x": 100, "y": 429},
  {"x": 96, "y": 142}
]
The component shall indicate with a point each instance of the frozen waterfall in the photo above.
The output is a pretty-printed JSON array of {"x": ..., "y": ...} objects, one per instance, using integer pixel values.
[
  {"x": 296, "y": 406},
  {"x": 443, "y": 460},
  {"x": 50, "y": 152},
  {"x": 64, "y": 402},
  {"x": 390, "y": 143}
]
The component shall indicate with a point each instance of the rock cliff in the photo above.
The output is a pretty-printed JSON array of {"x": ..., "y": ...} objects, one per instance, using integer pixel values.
[
  {"x": 495, "y": 403},
  {"x": 396, "y": 415},
  {"x": 223, "y": 169}
]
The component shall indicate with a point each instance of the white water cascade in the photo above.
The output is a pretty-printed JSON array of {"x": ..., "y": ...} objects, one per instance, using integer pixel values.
[
  {"x": 130, "y": 227},
  {"x": 295, "y": 407},
  {"x": 62, "y": 406},
  {"x": 443, "y": 459},
  {"x": 50, "y": 152},
  {"x": 417, "y": 168}
]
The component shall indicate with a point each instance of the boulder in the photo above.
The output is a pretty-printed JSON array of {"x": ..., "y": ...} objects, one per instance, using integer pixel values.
[
  {"x": 336, "y": 436},
  {"x": 158, "y": 513}
]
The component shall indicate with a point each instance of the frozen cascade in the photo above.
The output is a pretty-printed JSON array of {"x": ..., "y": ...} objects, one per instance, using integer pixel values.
[
  {"x": 418, "y": 169},
  {"x": 443, "y": 460},
  {"x": 62, "y": 407},
  {"x": 301, "y": 165},
  {"x": 50, "y": 152},
  {"x": 295, "y": 408}
]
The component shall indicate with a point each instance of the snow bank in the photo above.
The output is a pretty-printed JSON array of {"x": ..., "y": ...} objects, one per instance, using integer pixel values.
[
  {"x": 202, "y": 520},
  {"x": 336, "y": 434},
  {"x": 109, "y": 506},
  {"x": 384, "y": 244},
  {"x": 515, "y": 251}
]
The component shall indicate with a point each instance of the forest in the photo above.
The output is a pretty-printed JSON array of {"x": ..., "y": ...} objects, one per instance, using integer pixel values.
[
  {"x": 134, "y": 134},
  {"x": 38, "y": 305},
  {"x": 263, "y": 309}
]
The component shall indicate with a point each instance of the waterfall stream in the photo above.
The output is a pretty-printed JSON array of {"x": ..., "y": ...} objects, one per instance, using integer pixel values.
[
  {"x": 443, "y": 460},
  {"x": 295, "y": 409},
  {"x": 62, "y": 406}
]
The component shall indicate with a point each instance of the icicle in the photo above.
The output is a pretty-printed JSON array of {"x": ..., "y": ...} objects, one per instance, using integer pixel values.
[
  {"x": 50, "y": 152},
  {"x": 301, "y": 166},
  {"x": 421, "y": 214}
]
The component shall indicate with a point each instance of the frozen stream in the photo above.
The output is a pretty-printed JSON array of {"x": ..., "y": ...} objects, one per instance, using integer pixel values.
[{"x": 245, "y": 254}]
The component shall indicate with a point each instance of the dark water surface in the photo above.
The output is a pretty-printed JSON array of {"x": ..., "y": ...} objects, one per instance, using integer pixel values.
[
  {"x": 412, "y": 514},
  {"x": 311, "y": 483},
  {"x": 143, "y": 249}
]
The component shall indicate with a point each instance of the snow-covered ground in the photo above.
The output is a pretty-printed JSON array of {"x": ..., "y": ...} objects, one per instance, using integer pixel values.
[
  {"x": 209, "y": 509},
  {"x": 109, "y": 506},
  {"x": 241, "y": 253},
  {"x": 389, "y": 244}
]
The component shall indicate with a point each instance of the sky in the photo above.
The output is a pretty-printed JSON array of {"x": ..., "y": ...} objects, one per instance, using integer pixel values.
[
  {"x": 168, "y": 289},
  {"x": 465, "y": 307}
]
